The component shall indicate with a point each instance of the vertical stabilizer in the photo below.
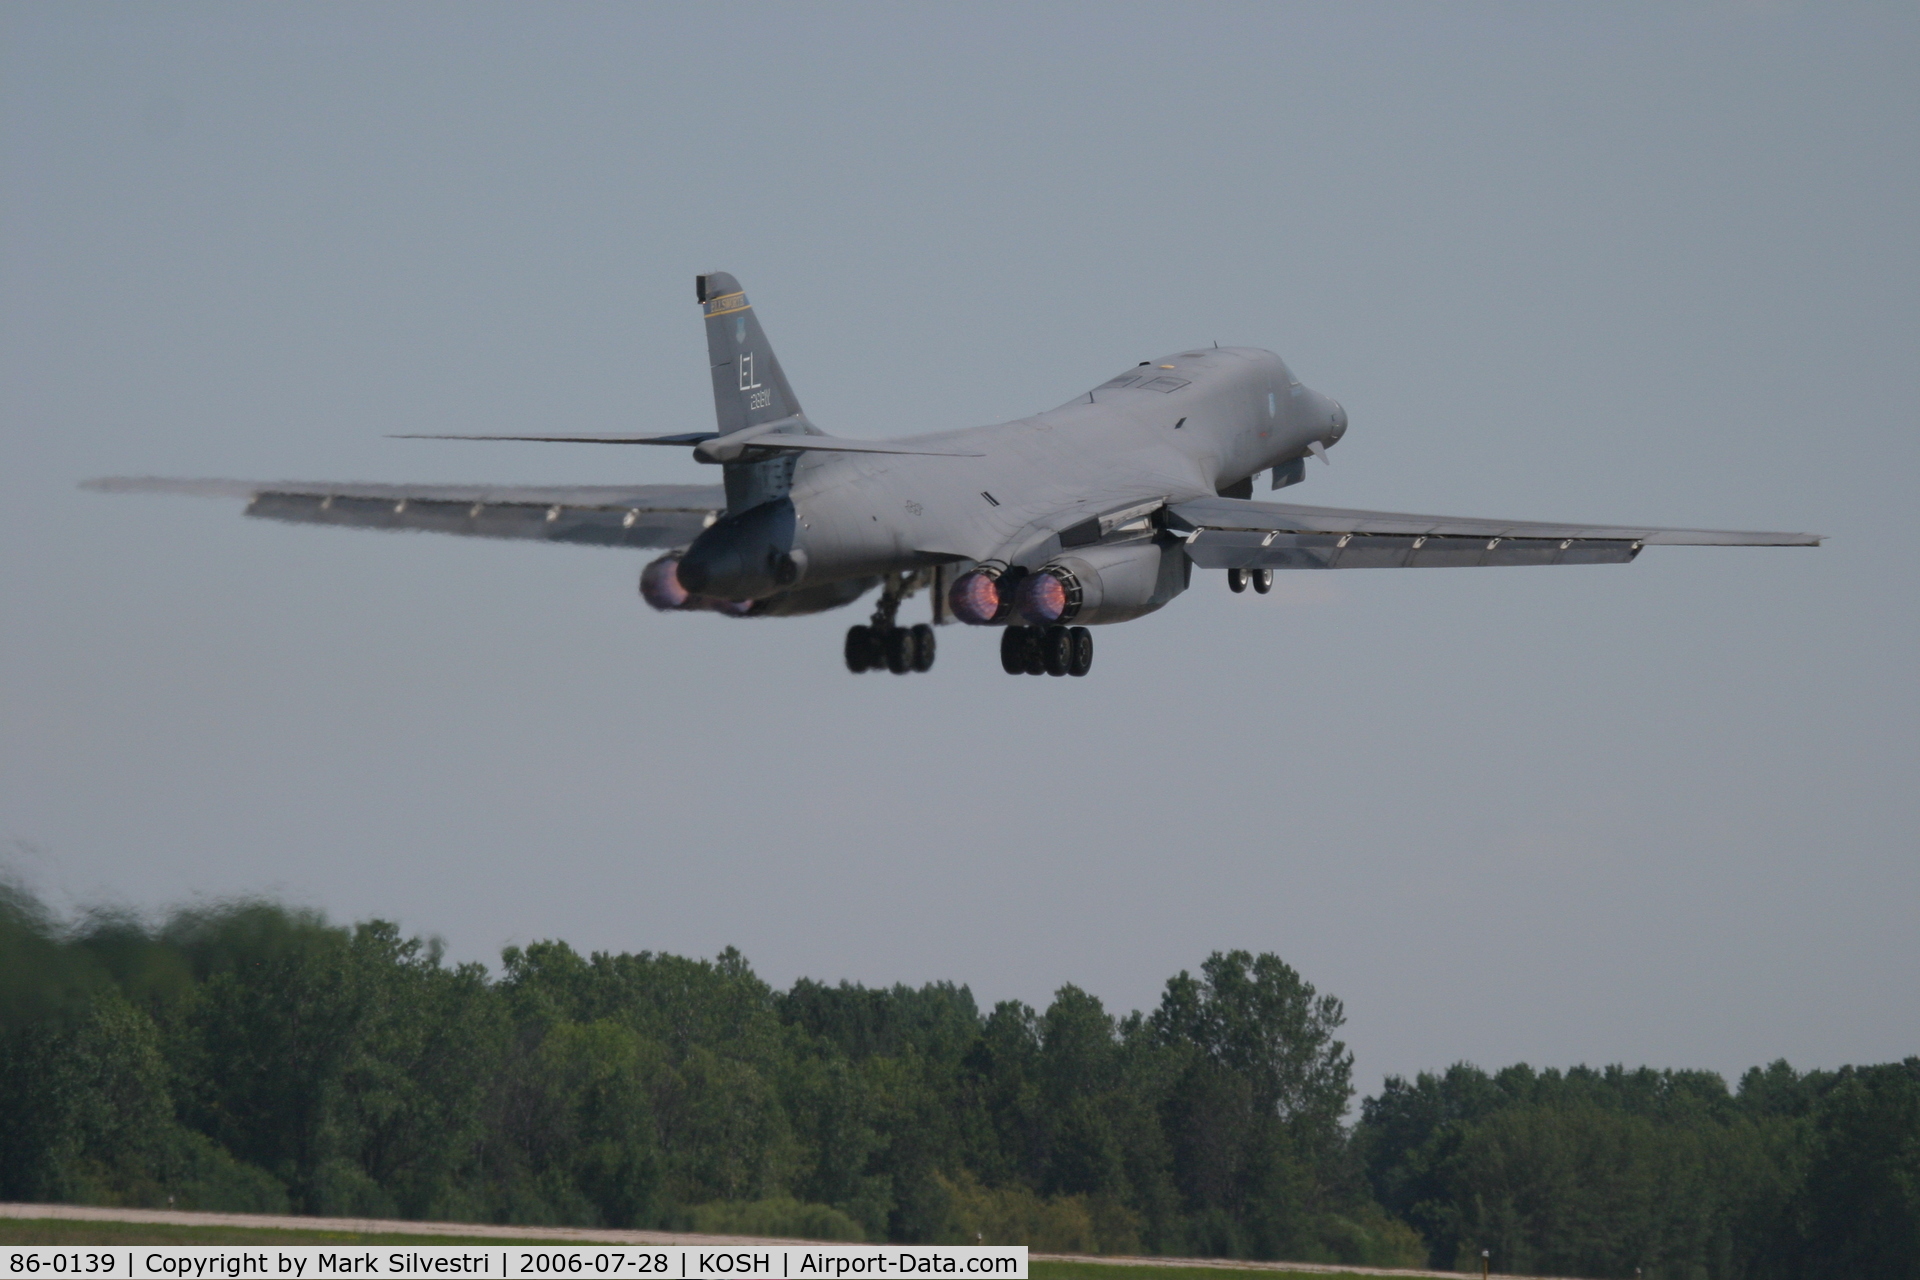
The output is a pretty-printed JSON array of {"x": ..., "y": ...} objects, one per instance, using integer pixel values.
[{"x": 748, "y": 385}]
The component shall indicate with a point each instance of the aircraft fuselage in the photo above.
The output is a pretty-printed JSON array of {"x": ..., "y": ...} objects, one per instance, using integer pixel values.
[{"x": 1187, "y": 425}]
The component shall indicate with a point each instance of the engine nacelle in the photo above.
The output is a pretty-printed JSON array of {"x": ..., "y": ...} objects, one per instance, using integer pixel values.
[
  {"x": 746, "y": 555},
  {"x": 813, "y": 599},
  {"x": 660, "y": 586},
  {"x": 1104, "y": 584}
]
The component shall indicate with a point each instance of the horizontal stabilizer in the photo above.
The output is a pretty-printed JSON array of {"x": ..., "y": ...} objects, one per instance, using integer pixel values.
[
  {"x": 835, "y": 444},
  {"x": 805, "y": 443},
  {"x": 684, "y": 438}
]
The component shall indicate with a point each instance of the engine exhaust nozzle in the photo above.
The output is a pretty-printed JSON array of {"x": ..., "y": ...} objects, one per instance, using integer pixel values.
[
  {"x": 660, "y": 586},
  {"x": 1049, "y": 596},
  {"x": 976, "y": 597}
]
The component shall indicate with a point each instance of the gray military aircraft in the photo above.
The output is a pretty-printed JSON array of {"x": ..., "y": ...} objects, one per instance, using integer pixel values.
[{"x": 1095, "y": 512}]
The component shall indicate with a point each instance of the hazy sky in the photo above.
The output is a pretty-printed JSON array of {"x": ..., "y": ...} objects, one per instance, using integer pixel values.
[{"x": 1586, "y": 262}]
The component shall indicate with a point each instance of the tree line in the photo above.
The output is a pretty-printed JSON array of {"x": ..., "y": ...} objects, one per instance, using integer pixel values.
[{"x": 255, "y": 1057}]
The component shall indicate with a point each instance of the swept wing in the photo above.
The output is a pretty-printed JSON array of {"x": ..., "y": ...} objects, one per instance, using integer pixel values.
[
  {"x": 654, "y": 515},
  {"x": 1235, "y": 533}
]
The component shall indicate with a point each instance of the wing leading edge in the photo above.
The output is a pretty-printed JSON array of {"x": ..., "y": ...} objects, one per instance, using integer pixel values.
[
  {"x": 1235, "y": 533},
  {"x": 660, "y": 515}
]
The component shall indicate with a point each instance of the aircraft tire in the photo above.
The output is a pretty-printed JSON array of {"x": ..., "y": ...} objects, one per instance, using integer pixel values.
[
  {"x": 1236, "y": 580},
  {"x": 1013, "y": 650},
  {"x": 859, "y": 648},
  {"x": 900, "y": 648},
  {"x": 1262, "y": 580},
  {"x": 1082, "y": 660},
  {"x": 923, "y": 645},
  {"x": 1056, "y": 650},
  {"x": 1035, "y": 651}
]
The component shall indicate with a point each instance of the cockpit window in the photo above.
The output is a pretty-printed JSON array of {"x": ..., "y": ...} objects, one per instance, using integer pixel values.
[
  {"x": 1163, "y": 384},
  {"x": 1113, "y": 384}
]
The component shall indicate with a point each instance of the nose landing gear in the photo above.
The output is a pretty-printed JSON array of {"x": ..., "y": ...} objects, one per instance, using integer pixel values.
[{"x": 1260, "y": 579}]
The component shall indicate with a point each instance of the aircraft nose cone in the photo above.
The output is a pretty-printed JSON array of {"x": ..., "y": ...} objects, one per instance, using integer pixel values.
[{"x": 1339, "y": 418}]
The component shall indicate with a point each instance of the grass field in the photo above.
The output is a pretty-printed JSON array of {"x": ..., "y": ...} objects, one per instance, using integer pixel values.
[{"x": 62, "y": 1231}]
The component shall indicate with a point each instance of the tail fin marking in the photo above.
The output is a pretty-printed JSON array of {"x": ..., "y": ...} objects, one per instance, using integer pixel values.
[{"x": 749, "y": 387}]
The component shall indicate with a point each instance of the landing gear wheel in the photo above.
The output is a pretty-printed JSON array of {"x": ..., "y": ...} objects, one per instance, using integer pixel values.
[
  {"x": 1035, "y": 650},
  {"x": 1013, "y": 651},
  {"x": 900, "y": 650},
  {"x": 1262, "y": 580},
  {"x": 1236, "y": 580},
  {"x": 859, "y": 648},
  {"x": 922, "y": 647},
  {"x": 1081, "y": 660},
  {"x": 1056, "y": 647}
]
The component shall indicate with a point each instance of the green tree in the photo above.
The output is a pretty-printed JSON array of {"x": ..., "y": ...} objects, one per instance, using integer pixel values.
[
  {"x": 1257, "y": 1017},
  {"x": 1860, "y": 1208},
  {"x": 1253, "y": 1117},
  {"x": 250, "y": 1056},
  {"x": 85, "y": 1108}
]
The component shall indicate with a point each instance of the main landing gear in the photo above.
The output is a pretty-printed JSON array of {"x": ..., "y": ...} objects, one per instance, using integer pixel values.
[
  {"x": 1262, "y": 580},
  {"x": 895, "y": 649},
  {"x": 1051, "y": 651},
  {"x": 882, "y": 645}
]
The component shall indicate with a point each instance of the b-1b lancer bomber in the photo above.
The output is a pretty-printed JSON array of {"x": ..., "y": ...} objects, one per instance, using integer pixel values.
[{"x": 1092, "y": 513}]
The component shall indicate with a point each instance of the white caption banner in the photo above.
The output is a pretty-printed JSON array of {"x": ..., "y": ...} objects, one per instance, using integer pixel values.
[{"x": 511, "y": 1262}]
